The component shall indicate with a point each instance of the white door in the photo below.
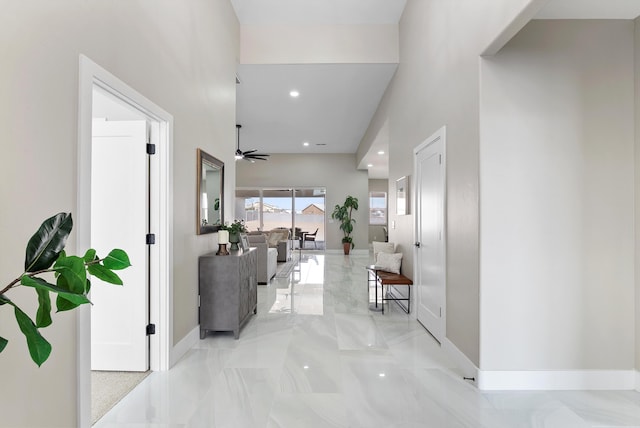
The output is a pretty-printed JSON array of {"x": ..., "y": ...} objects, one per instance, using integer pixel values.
[
  {"x": 430, "y": 263},
  {"x": 119, "y": 219}
]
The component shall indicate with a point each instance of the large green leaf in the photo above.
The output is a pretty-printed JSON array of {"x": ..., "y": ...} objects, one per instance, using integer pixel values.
[
  {"x": 116, "y": 260},
  {"x": 63, "y": 304},
  {"x": 3, "y": 343},
  {"x": 90, "y": 255},
  {"x": 43, "y": 317},
  {"x": 73, "y": 270},
  {"x": 39, "y": 348},
  {"x": 38, "y": 283},
  {"x": 104, "y": 274},
  {"x": 45, "y": 246}
]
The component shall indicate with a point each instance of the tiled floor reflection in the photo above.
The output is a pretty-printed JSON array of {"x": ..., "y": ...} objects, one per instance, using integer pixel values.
[{"x": 316, "y": 356}]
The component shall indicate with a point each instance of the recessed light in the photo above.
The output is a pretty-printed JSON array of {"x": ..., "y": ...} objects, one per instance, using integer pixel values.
[
  {"x": 381, "y": 152},
  {"x": 381, "y": 374},
  {"x": 294, "y": 94},
  {"x": 306, "y": 144},
  {"x": 369, "y": 165}
]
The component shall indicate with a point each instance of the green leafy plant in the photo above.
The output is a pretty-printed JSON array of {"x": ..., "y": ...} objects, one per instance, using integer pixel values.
[
  {"x": 235, "y": 228},
  {"x": 343, "y": 213},
  {"x": 45, "y": 255}
]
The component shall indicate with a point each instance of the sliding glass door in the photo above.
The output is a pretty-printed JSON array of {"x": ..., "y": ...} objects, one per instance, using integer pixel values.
[
  {"x": 277, "y": 208},
  {"x": 301, "y": 210},
  {"x": 309, "y": 219}
]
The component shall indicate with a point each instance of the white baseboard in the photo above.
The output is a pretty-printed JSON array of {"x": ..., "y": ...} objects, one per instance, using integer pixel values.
[
  {"x": 557, "y": 380},
  {"x": 469, "y": 370},
  {"x": 184, "y": 345},
  {"x": 533, "y": 380}
]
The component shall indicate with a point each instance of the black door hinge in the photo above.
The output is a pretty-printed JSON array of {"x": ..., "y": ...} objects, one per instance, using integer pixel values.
[
  {"x": 151, "y": 238},
  {"x": 151, "y": 149},
  {"x": 151, "y": 329}
]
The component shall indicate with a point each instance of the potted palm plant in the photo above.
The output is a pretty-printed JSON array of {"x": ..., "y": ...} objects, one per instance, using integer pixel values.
[{"x": 343, "y": 213}]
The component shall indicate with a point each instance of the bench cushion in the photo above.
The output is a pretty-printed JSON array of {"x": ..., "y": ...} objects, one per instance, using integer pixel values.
[{"x": 388, "y": 278}]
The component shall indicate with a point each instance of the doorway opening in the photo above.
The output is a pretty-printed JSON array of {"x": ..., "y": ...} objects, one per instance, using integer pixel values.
[{"x": 102, "y": 95}]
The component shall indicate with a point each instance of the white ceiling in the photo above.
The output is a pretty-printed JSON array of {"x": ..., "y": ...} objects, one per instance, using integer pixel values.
[
  {"x": 590, "y": 9},
  {"x": 332, "y": 113},
  {"x": 319, "y": 12},
  {"x": 336, "y": 102}
]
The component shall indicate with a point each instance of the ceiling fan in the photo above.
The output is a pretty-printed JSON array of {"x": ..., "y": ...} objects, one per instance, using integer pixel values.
[{"x": 249, "y": 155}]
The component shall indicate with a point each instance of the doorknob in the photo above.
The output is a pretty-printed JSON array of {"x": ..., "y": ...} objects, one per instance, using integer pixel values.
[{"x": 417, "y": 244}]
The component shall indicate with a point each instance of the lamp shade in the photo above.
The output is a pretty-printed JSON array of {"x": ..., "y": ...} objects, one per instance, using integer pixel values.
[{"x": 223, "y": 237}]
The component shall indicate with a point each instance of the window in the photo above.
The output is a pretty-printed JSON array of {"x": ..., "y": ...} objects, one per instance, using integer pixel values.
[{"x": 378, "y": 208}]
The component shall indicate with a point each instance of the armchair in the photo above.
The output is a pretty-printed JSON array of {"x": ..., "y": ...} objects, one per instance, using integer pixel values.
[
  {"x": 280, "y": 238},
  {"x": 267, "y": 258},
  {"x": 310, "y": 237}
]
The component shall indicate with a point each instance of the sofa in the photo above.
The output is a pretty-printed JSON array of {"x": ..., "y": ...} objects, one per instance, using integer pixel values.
[
  {"x": 267, "y": 258},
  {"x": 278, "y": 238}
]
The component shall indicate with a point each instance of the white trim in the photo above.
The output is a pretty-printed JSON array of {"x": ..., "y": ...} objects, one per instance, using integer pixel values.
[
  {"x": 532, "y": 380},
  {"x": 185, "y": 344},
  {"x": 162, "y": 280},
  {"x": 542, "y": 380},
  {"x": 469, "y": 370}
]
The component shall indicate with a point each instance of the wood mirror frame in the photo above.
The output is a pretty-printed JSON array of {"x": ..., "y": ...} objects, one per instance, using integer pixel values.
[{"x": 210, "y": 194}]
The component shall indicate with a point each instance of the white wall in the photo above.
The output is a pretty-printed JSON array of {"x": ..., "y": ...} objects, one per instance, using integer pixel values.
[
  {"x": 180, "y": 55},
  {"x": 329, "y": 44},
  {"x": 335, "y": 172},
  {"x": 436, "y": 84},
  {"x": 557, "y": 198}
]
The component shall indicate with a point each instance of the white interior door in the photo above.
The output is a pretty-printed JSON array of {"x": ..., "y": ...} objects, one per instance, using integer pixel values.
[
  {"x": 430, "y": 263},
  {"x": 119, "y": 219}
]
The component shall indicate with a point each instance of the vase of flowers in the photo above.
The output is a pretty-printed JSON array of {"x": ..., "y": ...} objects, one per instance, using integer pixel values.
[{"x": 235, "y": 229}]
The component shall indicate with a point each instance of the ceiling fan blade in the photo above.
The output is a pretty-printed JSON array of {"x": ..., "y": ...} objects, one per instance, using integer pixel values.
[{"x": 249, "y": 155}]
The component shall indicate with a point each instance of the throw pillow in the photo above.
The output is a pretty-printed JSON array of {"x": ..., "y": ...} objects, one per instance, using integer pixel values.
[
  {"x": 382, "y": 247},
  {"x": 389, "y": 262},
  {"x": 274, "y": 238}
]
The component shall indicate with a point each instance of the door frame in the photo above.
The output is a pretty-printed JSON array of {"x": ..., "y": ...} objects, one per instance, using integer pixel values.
[
  {"x": 439, "y": 135},
  {"x": 161, "y": 254}
]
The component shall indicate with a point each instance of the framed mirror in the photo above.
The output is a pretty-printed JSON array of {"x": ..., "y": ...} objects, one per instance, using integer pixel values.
[{"x": 210, "y": 188}]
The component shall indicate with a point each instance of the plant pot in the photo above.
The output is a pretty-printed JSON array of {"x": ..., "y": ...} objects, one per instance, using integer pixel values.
[
  {"x": 347, "y": 247},
  {"x": 234, "y": 238}
]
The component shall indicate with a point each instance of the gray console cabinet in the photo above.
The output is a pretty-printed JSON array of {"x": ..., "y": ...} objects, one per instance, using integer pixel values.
[{"x": 228, "y": 290}]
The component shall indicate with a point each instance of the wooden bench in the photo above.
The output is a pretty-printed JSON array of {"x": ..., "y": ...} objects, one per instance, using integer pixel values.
[{"x": 391, "y": 280}]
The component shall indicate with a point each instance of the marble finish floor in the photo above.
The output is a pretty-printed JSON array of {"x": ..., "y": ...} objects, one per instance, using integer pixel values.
[{"x": 315, "y": 356}]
